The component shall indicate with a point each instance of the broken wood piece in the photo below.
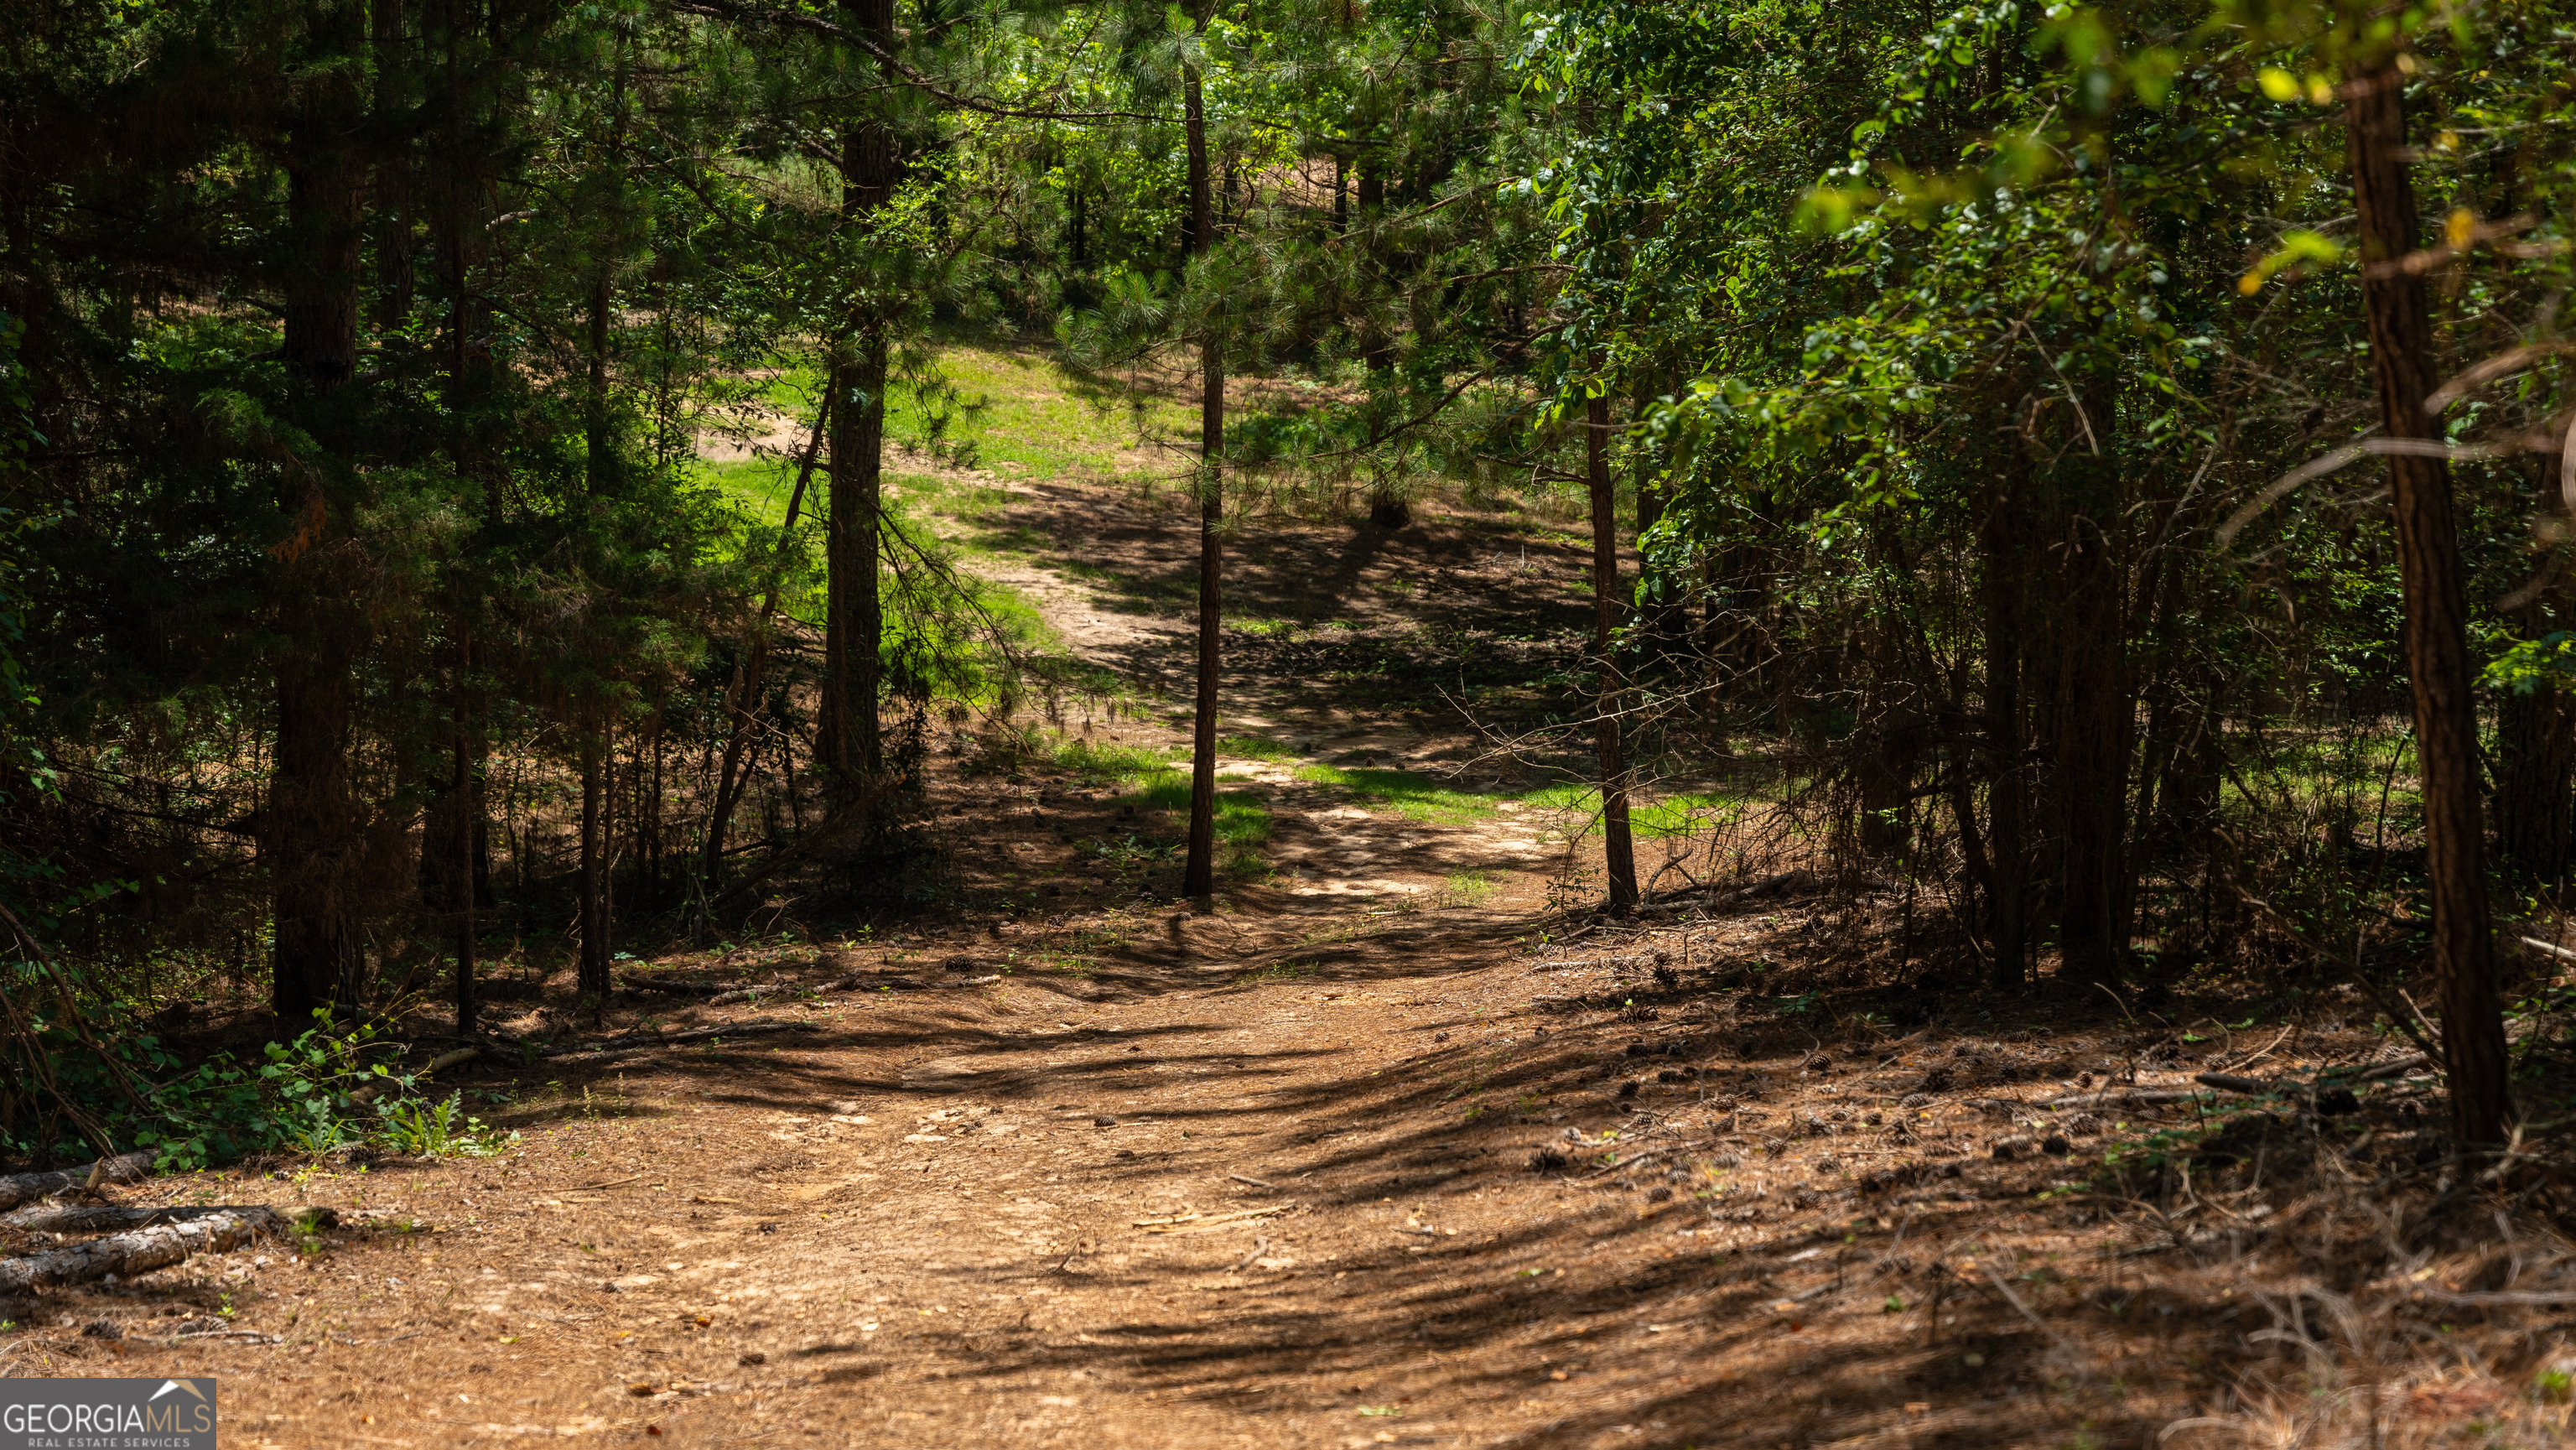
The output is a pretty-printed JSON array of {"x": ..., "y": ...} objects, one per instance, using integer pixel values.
[
  {"x": 1255, "y": 1182},
  {"x": 676, "y": 986},
  {"x": 2229, "y": 1082},
  {"x": 1200, "y": 1223},
  {"x": 2124, "y": 1096},
  {"x": 775, "y": 989},
  {"x": 2549, "y": 948},
  {"x": 18, "y": 1188},
  {"x": 138, "y": 1252}
]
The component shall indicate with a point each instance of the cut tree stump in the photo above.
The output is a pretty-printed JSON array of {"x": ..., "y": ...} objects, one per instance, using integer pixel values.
[
  {"x": 140, "y": 1251},
  {"x": 17, "y": 1188}
]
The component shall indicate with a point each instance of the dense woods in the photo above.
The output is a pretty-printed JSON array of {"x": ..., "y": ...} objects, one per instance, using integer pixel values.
[{"x": 2103, "y": 469}]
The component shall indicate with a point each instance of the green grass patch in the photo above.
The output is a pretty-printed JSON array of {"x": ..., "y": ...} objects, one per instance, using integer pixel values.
[
  {"x": 1415, "y": 797},
  {"x": 1242, "y": 816},
  {"x": 1020, "y": 415},
  {"x": 1672, "y": 815},
  {"x": 1109, "y": 763},
  {"x": 1253, "y": 747},
  {"x": 1420, "y": 798},
  {"x": 1467, "y": 888}
]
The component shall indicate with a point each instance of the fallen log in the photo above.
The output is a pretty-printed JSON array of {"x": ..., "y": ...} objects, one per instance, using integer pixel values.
[
  {"x": 617, "y": 1049},
  {"x": 676, "y": 986},
  {"x": 138, "y": 1252},
  {"x": 73, "y": 1218},
  {"x": 745, "y": 994},
  {"x": 2125, "y": 1097},
  {"x": 18, "y": 1188}
]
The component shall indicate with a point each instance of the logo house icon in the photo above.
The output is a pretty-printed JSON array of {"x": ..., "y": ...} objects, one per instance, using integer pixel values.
[{"x": 190, "y": 1386}]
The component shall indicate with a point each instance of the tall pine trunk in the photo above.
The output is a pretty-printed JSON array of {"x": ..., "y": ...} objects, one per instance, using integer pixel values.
[
  {"x": 595, "y": 826},
  {"x": 600, "y": 459},
  {"x": 1198, "y": 877},
  {"x": 465, "y": 791},
  {"x": 1619, "y": 850},
  {"x": 2007, "y": 854},
  {"x": 2092, "y": 710},
  {"x": 851, "y": 744},
  {"x": 2535, "y": 769},
  {"x": 2436, "y": 610},
  {"x": 312, "y": 834}
]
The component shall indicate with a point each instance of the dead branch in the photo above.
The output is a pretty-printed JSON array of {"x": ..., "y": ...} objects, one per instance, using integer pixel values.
[{"x": 18, "y": 1188}]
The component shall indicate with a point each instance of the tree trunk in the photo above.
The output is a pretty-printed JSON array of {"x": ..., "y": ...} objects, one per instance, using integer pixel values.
[
  {"x": 2093, "y": 711},
  {"x": 1198, "y": 877},
  {"x": 594, "y": 913},
  {"x": 1619, "y": 850},
  {"x": 2535, "y": 767},
  {"x": 2007, "y": 858},
  {"x": 2436, "y": 611},
  {"x": 466, "y": 794},
  {"x": 599, "y": 459},
  {"x": 395, "y": 204},
  {"x": 2535, "y": 772},
  {"x": 850, "y": 744},
  {"x": 312, "y": 837}
]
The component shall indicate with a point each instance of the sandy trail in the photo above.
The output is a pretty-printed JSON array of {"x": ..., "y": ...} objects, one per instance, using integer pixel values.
[{"x": 1227, "y": 1190}]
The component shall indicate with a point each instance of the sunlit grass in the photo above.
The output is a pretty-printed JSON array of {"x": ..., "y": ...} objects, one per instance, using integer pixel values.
[
  {"x": 1242, "y": 816},
  {"x": 1110, "y": 763},
  {"x": 1412, "y": 796},
  {"x": 1253, "y": 747},
  {"x": 1420, "y": 798}
]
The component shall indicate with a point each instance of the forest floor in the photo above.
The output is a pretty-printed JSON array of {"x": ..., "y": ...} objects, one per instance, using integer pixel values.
[{"x": 1403, "y": 1144}]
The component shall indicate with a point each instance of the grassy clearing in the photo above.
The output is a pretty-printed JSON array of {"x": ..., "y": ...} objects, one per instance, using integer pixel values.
[{"x": 1017, "y": 412}]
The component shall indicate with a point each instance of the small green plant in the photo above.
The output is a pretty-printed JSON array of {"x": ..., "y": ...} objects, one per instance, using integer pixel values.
[{"x": 421, "y": 1128}]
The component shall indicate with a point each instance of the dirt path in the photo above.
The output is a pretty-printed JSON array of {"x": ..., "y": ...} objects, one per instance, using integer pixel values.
[{"x": 1221, "y": 1191}]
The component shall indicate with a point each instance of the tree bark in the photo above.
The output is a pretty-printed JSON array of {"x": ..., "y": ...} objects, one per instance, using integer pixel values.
[
  {"x": 2535, "y": 773},
  {"x": 1198, "y": 876},
  {"x": 594, "y": 913},
  {"x": 312, "y": 838},
  {"x": 2436, "y": 611},
  {"x": 466, "y": 793},
  {"x": 2007, "y": 857},
  {"x": 1618, "y": 847},
  {"x": 2094, "y": 715},
  {"x": 599, "y": 458},
  {"x": 851, "y": 745},
  {"x": 2535, "y": 769}
]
